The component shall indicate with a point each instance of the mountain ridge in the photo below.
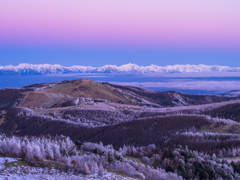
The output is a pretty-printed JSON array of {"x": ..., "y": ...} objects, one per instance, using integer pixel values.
[
  {"x": 38, "y": 69},
  {"x": 88, "y": 93}
]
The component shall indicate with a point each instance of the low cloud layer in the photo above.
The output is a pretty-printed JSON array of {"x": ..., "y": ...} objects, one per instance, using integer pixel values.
[{"x": 218, "y": 86}]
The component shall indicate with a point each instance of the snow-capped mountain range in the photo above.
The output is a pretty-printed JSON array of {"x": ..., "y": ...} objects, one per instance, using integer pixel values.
[{"x": 34, "y": 69}]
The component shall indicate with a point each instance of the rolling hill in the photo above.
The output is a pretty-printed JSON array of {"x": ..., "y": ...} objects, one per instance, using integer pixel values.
[
  {"x": 68, "y": 93},
  {"x": 159, "y": 135}
]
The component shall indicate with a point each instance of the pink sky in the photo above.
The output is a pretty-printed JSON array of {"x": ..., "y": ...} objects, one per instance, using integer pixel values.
[{"x": 173, "y": 23}]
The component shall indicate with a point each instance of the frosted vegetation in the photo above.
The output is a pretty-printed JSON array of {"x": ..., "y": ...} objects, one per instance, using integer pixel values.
[
  {"x": 165, "y": 130},
  {"x": 177, "y": 149},
  {"x": 62, "y": 154},
  {"x": 59, "y": 155},
  {"x": 217, "y": 139},
  {"x": 94, "y": 118},
  {"x": 12, "y": 168}
]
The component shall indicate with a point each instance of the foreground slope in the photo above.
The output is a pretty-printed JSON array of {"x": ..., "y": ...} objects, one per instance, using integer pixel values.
[{"x": 160, "y": 135}]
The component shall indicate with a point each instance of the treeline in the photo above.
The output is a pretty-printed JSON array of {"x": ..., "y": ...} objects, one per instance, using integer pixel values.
[
  {"x": 34, "y": 149},
  {"x": 139, "y": 132},
  {"x": 150, "y": 131},
  {"x": 223, "y": 145},
  {"x": 9, "y": 98},
  {"x": 94, "y": 118},
  {"x": 186, "y": 163},
  {"x": 228, "y": 112},
  {"x": 231, "y": 111},
  {"x": 61, "y": 153},
  {"x": 165, "y": 132},
  {"x": 99, "y": 117},
  {"x": 150, "y": 162},
  {"x": 53, "y": 152}
]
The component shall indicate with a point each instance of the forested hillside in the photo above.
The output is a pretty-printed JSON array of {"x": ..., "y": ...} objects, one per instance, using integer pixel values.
[{"x": 82, "y": 128}]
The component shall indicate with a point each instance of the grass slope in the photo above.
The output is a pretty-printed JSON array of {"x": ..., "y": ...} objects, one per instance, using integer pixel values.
[{"x": 62, "y": 92}]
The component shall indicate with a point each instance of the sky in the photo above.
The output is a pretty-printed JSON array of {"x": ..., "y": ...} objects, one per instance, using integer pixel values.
[{"x": 93, "y": 32}]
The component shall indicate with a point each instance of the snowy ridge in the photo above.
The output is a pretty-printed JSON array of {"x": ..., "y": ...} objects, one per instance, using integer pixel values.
[{"x": 127, "y": 68}]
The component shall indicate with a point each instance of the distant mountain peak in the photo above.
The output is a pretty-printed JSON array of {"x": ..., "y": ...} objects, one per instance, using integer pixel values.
[{"x": 26, "y": 69}]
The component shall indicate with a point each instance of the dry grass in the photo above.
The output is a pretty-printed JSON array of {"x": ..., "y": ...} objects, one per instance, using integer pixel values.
[
  {"x": 77, "y": 88},
  {"x": 16, "y": 164},
  {"x": 219, "y": 128},
  {"x": 35, "y": 99},
  {"x": 86, "y": 88}
]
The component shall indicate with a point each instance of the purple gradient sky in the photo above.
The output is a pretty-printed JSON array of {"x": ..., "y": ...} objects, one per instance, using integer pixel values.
[{"x": 199, "y": 25}]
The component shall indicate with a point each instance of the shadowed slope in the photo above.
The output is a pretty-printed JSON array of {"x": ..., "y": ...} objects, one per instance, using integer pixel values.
[
  {"x": 9, "y": 97},
  {"x": 171, "y": 98},
  {"x": 137, "y": 132}
]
